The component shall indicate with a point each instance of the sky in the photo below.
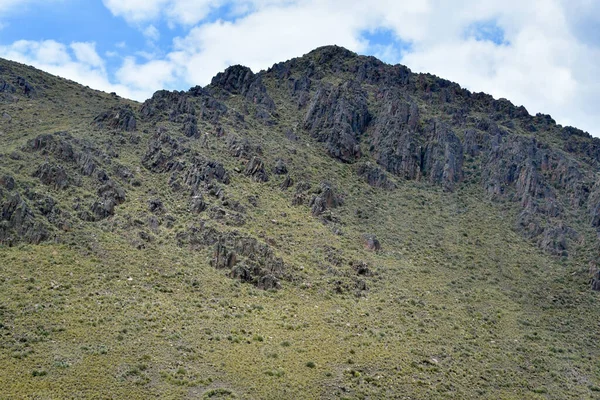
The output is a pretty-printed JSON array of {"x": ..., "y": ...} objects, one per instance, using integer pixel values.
[{"x": 543, "y": 54}]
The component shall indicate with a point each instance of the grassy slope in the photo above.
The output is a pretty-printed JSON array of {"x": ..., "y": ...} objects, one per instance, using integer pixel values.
[{"x": 460, "y": 306}]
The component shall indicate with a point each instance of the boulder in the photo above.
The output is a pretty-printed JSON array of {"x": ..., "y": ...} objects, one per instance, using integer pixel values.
[
  {"x": 325, "y": 199},
  {"x": 255, "y": 168},
  {"x": 287, "y": 183},
  {"x": 370, "y": 241},
  {"x": 280, "y": 168}
]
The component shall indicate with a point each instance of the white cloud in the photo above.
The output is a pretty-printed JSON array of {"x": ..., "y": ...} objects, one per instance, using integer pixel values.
[
  {"x": 185, "y": 12},
  {"x": 146, "y": 78},
  {"x": 86, "y": 53},
  {"x": 78, "y": 62},
  {"x": 151, "y": 33}
]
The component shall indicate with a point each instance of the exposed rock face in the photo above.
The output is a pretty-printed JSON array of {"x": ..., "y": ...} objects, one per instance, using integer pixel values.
[
  {"x": 396, "y": 142},
  {"x": 337, "y": 116},
  {"x": 205, "y": 171},
  {"x": 156, "y": 206},
  {"x": 6, "y": 87},
  {"x": 375, "y": 177},
  {"x": 256, "y": 169},
  {"x": 110, "y": 196},
  {"x": 162, "y": 153},
  {"x": 26, "y": 87},
  {"x": 17, "y": 222},
  {"x": 197, "y": 204},
  {"x": 443, "y": 157},
  {"x": 242, "y": 148},
  {"x": 52, "y": 175},
  {"x": 287, "y": 183},
  {"x": 59, "y": 145},
  {"x": 173, "y": 104},
  {"x": 120, "y": 118},
  {"x": 7, "y": 182},
  {"x": 210, "y": 108},
  {"x": 301, "y": 195},
  {"x": 406, "y": 147},
  {"x": 238, "y": 79},
  {"x": 554, "y": 239}
]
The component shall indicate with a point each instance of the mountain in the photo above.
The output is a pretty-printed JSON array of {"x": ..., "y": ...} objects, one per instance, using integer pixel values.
[{"x": 333, "y": 227}]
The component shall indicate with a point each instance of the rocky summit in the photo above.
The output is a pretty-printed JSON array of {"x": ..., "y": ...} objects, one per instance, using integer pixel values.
[{"x": 332, "y": 227}]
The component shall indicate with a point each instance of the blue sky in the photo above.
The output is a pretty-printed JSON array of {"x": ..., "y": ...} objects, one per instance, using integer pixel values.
[{"x": 543, "y": 54}]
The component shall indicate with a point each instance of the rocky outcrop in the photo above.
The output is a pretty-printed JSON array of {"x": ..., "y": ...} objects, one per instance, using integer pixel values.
[
  {"x": 203, "y": 171},
  {"x": 7, "y": 182},
  {"x": 59, "y": 145},
  {"x": 110, "y": 196},
  {"x": 255, "y": 168},
  {"x": 18, "y": 222},
  {"x": 280, "y": 167},
  {"x": 197, "y": 204},
  {"x": 555, "y": 239},
  {"x": 238, "y": 79},
  {"x": 209, "y": 109},
  {"x": 246, "y": 258},
  {"x": 242, "y": 148},
  {"x": 162, "y": 153},
  {"x": 52, "y": 175},
  {"x": 325, "y": 199},
  {"x": 25, "y": 86},
  {"x": 6, "y": 87},
  {"x": 173, "y": 105},
  {"x": 301, "y": 194},
  {"x": 374, "y": 176},
  {"x": 287, "y": 183},
  {"x": 337, "y": 116},
  {"x": 119, "y": 118}
]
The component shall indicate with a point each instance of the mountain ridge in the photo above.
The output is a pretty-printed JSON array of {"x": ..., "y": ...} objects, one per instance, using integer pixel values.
[{"x": 333, "y": 224}]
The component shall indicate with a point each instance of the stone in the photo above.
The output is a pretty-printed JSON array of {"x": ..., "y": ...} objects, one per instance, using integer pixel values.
[
  {"x": 255, "y": 168},
  {"x": 287, "y": 183},
  {"x": 120, "y": 118},
  {"x": 371, "y": 243},
  {"x": 326, "y": 199},
  {"x": 156, "y": 206},
  {"x": 280, "y": 168}
]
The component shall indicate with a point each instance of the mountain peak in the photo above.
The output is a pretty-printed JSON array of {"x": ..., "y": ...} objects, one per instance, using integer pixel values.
[{"x": 304, "y": 229}]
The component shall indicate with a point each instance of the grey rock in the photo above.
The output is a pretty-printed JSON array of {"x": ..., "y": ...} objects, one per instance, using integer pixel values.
[
  {"x": 375, "y": 177},
  {"x": 255, "y": 168},
  {"x": 280, "y": 168},
  {"x": 338, "y": 116},
  {"x": 371, "y": 242},
  {"x": 120, "y": 118},
  {"x": 52, "y": 175}
]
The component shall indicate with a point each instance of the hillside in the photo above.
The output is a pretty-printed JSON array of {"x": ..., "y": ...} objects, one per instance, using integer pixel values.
[{"x": 333, "y": 227}]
